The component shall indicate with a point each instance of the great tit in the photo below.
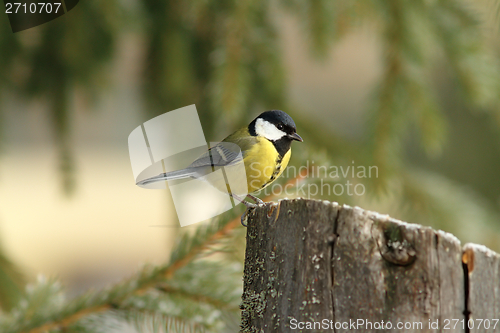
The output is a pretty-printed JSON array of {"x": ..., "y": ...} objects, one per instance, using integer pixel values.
[{"x": 265, "y": 149}]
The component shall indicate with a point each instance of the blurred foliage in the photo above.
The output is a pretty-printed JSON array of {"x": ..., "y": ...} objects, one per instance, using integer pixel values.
[
  {"x": 226, "y": 57},
  {"x": 223, "y": 56},
  {"x": 54, "y": 59},
  {"x": 11, "y": 282},
  {"x": 193, "y": 290}
]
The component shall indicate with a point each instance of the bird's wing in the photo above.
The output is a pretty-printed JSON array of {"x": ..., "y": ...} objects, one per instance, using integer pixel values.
[
  {"x": 179, "y": 174},
  {"x": 228, "y": 152},
  {"x": 222, "y": 154}
]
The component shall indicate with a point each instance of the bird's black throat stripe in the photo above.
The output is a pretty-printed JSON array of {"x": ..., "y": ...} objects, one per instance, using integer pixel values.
[{"x": 282, "y": 145}]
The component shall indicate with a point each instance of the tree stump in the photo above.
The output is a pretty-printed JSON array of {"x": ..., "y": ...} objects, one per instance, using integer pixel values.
[
  {"x": 315, "y": 266},
  {"x": 482, "y": 267}
]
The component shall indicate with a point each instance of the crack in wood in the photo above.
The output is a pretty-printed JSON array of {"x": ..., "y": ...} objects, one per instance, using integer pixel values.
[{"x": 318, "y": 261}]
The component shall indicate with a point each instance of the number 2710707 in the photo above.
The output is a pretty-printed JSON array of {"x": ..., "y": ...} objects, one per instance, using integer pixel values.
[{"x": 32, "y": 8}]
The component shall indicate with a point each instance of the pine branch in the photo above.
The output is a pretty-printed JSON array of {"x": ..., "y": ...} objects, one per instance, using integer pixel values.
[
  {"x": 148, "y": 278},
  {"x": 231, "y": 77},
  {"x": 188, "y": 248},
  {"x": 153, "y": 322},
  {"x": 197, "y": 297},
  {"x": 458, "y": 27},
  {"x": 70, "y": 319}
]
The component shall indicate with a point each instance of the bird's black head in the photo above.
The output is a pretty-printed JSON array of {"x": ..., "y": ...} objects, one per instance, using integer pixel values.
[{"x": 276, "y": 126}]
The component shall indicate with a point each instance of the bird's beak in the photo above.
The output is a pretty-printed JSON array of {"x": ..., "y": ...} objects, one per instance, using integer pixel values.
[{"x": 295, "y": 136}]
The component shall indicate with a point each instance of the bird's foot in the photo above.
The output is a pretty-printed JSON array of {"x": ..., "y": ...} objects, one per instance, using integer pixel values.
[
  {"x": 249, "y": 206},
  {"x": 243, "y": 201},
  {"x": 244, "y": 218},
  {"x": 254, "y": 198}
]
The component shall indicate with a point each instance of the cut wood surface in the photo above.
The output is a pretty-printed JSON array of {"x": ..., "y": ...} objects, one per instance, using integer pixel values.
[
  {"x": 483, "y": 275},
  {"x": 315, "y": 266}
]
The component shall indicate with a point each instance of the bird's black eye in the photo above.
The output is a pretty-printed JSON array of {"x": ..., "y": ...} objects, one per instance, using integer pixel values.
[{"x": 280, "y": 127}]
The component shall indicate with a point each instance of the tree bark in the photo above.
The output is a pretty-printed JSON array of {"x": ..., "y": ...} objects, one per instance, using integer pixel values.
[
  {"x": 482, "y": 268},
  {"x": 315, "y": 266}
]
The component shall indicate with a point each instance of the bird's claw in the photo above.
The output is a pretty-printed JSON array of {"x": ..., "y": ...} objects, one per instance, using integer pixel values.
[
  {"x": 250, "y": 205},
  {"x": 244, "y": 218},
  {"x": 254, "y": 198}
]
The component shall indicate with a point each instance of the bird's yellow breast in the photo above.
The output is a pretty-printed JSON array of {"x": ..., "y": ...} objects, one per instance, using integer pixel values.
[{"x": 263, "y": 164}]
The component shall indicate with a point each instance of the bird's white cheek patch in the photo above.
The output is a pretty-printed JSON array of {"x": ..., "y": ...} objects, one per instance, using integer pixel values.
[{"x": 268, "y": 130}]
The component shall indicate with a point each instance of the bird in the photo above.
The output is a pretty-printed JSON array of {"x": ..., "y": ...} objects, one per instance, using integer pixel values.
[{"x": 265, "y": 146}]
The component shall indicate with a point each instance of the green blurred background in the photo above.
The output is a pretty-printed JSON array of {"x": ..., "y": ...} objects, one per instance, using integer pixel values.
[{"x": 411, "y": 87}]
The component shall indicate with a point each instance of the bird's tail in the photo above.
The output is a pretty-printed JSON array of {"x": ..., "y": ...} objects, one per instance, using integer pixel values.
[{"x": 179, "y": 174}]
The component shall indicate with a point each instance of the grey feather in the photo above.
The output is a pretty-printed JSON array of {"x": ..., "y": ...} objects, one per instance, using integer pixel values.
[{"x": 220, "y": 155}]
